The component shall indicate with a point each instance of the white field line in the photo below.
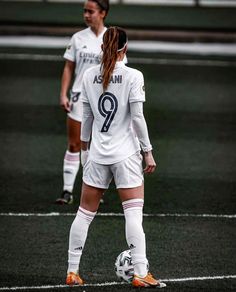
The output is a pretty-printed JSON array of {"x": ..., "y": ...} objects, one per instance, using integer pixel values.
[
  {"x": 183, "y": 215},
  {"x": 205, "y": 49},
  {"x": 30, "y": 57},
  {"x": 209, "y": 278},
  {"x": 131, "y": 60},
  {"x": 200, "y": 278}
]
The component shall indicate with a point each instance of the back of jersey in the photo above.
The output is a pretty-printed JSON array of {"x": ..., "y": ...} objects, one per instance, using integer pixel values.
[{"x": 113, "y": 139}]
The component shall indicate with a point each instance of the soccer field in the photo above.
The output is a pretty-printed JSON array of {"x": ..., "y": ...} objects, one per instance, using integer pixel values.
[{"x": 189, "y": 202}]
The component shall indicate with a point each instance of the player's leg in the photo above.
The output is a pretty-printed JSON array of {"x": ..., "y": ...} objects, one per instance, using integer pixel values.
[
  {"x": 129, "y": 181},
  {"x": 96, "y": 179},
  {"x": 71, "y": 161},
  {"x": 90, "y": 198},
  {"x": 132, "y": 202}
]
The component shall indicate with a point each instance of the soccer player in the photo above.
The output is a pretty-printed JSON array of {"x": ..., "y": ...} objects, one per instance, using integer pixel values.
[
  {"x": 113, "y": 96},
  {"x": 83, "y": 52}
]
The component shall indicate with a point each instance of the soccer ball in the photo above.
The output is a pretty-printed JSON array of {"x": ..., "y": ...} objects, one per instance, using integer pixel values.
[{"x": 123, "y": 266}]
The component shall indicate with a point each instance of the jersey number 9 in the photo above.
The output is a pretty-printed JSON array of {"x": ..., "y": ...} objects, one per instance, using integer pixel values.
[{"x": 107, "y": 106}]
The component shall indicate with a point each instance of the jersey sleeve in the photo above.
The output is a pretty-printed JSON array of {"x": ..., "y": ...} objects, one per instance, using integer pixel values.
[
  {"x": 70, "y": 50},
  {"x": 137, "y": 92},
  {"x": 140, "y": 126}
]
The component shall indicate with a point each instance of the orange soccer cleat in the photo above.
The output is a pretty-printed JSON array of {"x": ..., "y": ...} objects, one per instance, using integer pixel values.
[
  {"x": 148, "y": 281},
  {"x": 73, "y": 279}
]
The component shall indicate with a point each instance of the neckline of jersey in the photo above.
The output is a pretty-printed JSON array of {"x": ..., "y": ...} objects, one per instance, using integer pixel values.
[
  {"x": 119, "y": 64},
  {"x": 94, "y": 35}
]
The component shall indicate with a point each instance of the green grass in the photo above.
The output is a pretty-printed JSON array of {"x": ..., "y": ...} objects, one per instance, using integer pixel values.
[{"x": 176, "y": 248}]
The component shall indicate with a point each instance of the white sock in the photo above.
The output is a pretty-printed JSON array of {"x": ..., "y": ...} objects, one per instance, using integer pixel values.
[
  {"x": 133, "y": 210},
  {"x": 78, "y": 236},
  {"x": 70, "y": 169}
]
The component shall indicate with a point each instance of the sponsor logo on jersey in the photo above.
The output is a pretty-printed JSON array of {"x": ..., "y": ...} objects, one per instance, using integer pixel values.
[{"x": 90, "y": 58}]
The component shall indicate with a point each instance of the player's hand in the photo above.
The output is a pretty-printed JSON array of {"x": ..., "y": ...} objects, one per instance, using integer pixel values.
[
  {"x": 65, "y": 104},
  {"x": 150, "y": 162}
]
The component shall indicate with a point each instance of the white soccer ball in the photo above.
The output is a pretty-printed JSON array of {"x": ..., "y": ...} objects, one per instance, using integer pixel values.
[{"x": 123, "y": 266}]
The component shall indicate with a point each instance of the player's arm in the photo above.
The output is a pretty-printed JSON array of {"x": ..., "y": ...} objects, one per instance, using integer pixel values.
[
  {"x": 140, "y": 127},
  {"x": 66, "y": 79},
  {"x": 86, "y": 130}
]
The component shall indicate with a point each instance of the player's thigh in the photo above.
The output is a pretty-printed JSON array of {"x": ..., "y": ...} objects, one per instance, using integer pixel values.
[
  {"x": 73, "y": 132},
  {"x": 126, "y": 194},
  {"x": 90, "y": 197}
]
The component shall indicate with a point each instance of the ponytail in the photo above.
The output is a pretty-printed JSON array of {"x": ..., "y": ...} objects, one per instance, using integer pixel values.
[{"x": 114, "y": 41}]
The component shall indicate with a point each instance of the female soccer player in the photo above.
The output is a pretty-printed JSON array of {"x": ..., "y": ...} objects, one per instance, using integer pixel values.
[
  {"x": 113, "y": 96},
  {"x": 82, "y": 53}
]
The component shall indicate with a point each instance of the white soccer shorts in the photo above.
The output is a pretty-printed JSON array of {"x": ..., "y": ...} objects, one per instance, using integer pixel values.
[
  {"x": 76, "y": 107},
  {"x": 127, "y": 173}
]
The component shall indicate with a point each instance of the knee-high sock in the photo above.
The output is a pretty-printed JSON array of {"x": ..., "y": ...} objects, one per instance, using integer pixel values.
[
  {"x": 77, "y": 238},
  {"x": 70, "y": 169},
  {"x": 133, "y": 210}
]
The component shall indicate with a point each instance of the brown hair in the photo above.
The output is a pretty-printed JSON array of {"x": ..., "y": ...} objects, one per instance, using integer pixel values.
[
  {"x": 114, "y": 40},
  {"x": 103, "y": 4}
]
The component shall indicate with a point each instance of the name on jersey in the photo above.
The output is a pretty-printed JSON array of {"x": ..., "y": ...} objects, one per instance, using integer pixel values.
[{"x": 114, "y": 79}]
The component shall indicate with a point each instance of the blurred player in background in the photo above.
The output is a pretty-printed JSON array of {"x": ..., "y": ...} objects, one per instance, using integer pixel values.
[
  {"x": 113, "y": 96},
  {"x": 83, "y": 52}
]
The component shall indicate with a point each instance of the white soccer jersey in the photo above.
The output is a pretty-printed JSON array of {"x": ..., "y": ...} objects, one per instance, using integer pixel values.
[
  {"x": 85, "y": 50},
  {"x": 113, "y": 138}
]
